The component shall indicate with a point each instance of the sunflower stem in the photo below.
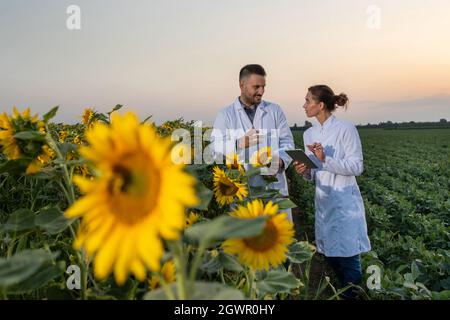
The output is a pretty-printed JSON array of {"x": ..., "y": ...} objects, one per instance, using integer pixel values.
[
  {"x": 64, "y": 191},
  {"x": 84, "y": 275},
  {"x": 133, "y": 290},
  {"x": 250, "y": 275},
  {"x": 181, "y": 269},
  {"x": 222, "y": 278},
  {"x": 52, "y": 143},
  {"x": 70, "y": 194},
  {"x": 166, "y": 287},
  {"x": 196, "y": 262}
]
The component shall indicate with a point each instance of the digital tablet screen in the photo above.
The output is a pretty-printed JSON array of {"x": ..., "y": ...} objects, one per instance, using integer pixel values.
[{"x": 300, "y": 156}]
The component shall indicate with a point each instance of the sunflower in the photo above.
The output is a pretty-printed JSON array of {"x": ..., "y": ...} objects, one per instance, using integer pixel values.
[
  {"x": 83, "y": 170},
  {"x": 167, "y": 126},
  {"x": 167, "y": 272},
  {"x": 62, "y": 136},
  {"x": 88, "y": 114},
  {"x": 137, "y": 198},
  {"x": 36, "y": 151},
  {"x": 233, "y": 162},
  {"x": 192, "y": 218},
  {"x": 41, "y": 160},
  {"x": 261, "y": 157},
  {"x": 227, "y": 189},
  {"x": 77, "y": 140},
  {"x": 10, "y": 145},
  {"x": 267, "y": 249}
]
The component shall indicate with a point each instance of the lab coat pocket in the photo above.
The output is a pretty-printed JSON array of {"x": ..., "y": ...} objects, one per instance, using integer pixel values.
[{"x": 346, "y": 201}]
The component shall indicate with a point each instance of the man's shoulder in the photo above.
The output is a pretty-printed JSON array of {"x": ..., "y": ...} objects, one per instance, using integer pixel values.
[
  {"x": 270, "y": 104},
  {"x": 227, "y": 109}
]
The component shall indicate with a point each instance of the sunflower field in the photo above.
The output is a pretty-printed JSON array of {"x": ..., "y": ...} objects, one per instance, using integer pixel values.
[{"x": 98, "y": 210}]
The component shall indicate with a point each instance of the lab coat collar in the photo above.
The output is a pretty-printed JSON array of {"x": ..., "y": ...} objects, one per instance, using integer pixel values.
[
  {"x": 238, "y": 106},
  {"x": 260, "y": 111},
  {"x": 328, "y": 123}
]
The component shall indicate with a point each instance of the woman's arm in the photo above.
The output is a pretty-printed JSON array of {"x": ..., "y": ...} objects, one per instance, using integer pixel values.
[{"x": 352, "y": 164}]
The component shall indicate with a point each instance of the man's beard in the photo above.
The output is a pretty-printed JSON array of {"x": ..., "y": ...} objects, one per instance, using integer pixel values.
[{"x": 252, "y": 100}]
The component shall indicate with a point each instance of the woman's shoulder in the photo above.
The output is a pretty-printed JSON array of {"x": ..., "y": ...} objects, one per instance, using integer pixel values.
[
  {"x": 307, "y": 134},
  {"x": 346, "y": 125}
]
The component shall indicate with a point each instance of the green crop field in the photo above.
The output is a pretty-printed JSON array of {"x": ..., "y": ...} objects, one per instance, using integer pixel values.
[
  {"x": 100, "y": 210},
  {"x": 406, "y": 191}
]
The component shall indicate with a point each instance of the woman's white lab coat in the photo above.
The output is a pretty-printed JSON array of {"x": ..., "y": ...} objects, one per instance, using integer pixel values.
[{"x": 340, "y": 223}]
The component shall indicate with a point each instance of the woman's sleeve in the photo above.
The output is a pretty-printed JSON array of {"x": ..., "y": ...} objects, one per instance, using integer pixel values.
[
  {"x": 306, "y": 141},
  {"x": 352, "y": 164}
]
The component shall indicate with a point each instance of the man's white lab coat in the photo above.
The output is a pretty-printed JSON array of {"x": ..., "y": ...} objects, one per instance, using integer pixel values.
[{"x": 232, "y": 123}]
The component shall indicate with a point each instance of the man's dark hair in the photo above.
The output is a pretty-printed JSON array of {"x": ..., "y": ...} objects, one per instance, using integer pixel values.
[{"x": 251, "y": 69}]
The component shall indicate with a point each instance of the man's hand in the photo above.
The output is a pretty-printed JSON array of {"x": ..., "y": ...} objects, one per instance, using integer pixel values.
[
  {"x": 317, "y": 149},
  {"x": 251, "y": 138},
  {"x": 275, "y": 166}
]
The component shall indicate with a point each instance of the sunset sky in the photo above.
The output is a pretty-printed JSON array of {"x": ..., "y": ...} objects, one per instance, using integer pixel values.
[{"x": 182, "y": 58}]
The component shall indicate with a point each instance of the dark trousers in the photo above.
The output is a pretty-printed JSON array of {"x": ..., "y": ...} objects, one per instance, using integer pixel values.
[{"x": 348, "y": 270}]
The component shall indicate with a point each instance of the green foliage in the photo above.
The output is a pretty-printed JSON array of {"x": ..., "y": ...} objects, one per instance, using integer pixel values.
[{"x": 405, "y": 187}]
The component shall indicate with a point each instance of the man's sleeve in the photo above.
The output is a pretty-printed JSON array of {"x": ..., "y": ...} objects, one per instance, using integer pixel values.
[
  {"x": 286, "y": 140},
  {"x": 223, "y": 137}
]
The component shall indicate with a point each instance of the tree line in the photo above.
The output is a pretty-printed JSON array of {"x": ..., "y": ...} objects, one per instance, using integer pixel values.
[{"x": 442, "y": 123}]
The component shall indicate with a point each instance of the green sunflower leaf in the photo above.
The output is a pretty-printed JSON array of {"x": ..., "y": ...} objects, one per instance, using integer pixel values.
[
  {"x": 49, "y": 115},
  {"x": 22, "y": 265},
  {"x": 277, "y": 281},
  {"x": 200, "y": 291}
]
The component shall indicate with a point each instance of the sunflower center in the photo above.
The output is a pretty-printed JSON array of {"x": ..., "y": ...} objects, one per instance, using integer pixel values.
[
  {"x": 227, "y": 187},
  {"x": 134, "y": 190},
  {"x": 265, "y": 240},
  {"x": 235, "y": 164}
]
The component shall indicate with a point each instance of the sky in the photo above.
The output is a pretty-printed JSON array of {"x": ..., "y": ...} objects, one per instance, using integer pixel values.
[{"x": 181, "y": 58}]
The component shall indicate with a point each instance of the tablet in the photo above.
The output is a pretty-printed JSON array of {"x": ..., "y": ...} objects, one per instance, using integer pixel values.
[{"x": 300, "y": 156}]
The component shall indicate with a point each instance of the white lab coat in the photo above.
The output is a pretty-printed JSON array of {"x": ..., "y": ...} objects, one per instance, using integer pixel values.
[
  {"x": 340, "y": 223},
  {"x": 268, "y": 116}
]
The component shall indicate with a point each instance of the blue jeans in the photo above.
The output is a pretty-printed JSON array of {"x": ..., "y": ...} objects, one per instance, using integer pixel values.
[{"x": 348, "y": 270}]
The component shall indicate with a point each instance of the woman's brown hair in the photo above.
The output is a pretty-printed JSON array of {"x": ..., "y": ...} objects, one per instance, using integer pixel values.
[{"x": 323, "y": 93}]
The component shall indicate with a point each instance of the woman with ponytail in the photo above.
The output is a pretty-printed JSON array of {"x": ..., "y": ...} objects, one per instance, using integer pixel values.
[{"x": 335, "y": 147}]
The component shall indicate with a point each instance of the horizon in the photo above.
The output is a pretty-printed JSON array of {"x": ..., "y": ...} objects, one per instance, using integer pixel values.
[{"x": 173, "y": 59}]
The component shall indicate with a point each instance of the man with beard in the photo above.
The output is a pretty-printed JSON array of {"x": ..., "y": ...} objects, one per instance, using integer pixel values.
[{"x": 250, "y": 124}]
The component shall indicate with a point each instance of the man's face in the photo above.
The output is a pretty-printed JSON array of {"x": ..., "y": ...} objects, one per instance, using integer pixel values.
[{"x": 252, "y": 88}]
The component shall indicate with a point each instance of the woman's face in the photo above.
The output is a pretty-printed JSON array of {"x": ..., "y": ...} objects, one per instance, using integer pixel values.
[{"x": 311, "y": 106}]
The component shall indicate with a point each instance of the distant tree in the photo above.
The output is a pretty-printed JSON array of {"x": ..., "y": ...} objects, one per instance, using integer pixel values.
[
  {"x": 295, "y": 125},
  {"x": 308, "y": 124},
  {"x": 443, "y": 121}
]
